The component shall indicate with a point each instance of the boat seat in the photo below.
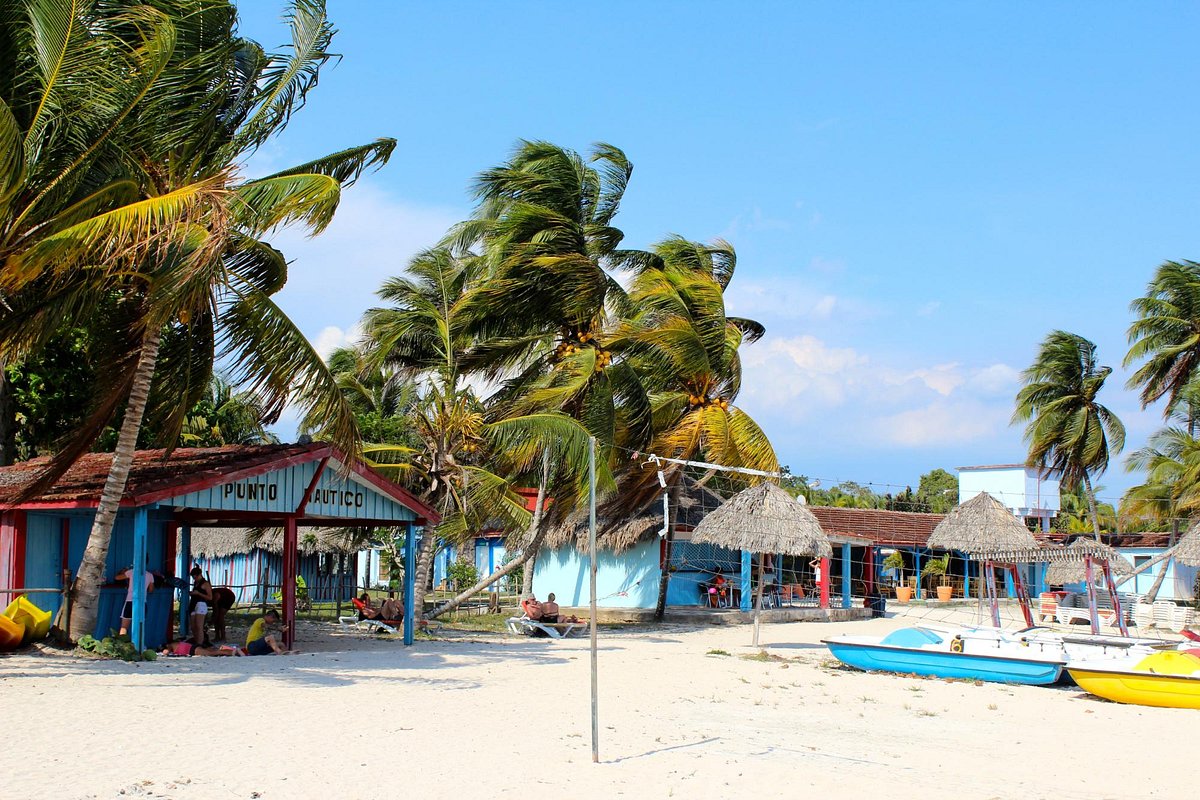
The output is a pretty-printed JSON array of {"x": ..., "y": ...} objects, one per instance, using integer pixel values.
[{"x": 911, "y": 637}]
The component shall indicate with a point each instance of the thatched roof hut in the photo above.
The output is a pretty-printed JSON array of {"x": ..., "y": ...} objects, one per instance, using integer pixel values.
[
  {"x": 1187, "y": 549},
  {"x": 764, "y": 519},
  {"x": 619, "y": 529},
  {"x": 983, "y": 528},
  {"x": 222, "y": 542},
  {"x": 1075, "y": 571}
]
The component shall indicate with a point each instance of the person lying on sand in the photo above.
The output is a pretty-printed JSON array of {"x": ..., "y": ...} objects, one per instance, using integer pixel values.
[
  {"x": 263, "y": 638},
  {"x": 189, "y": 649}
]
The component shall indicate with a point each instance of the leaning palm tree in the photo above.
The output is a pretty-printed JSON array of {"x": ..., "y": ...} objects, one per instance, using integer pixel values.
[
  {"x": 1166, "y": 333},
  {"x": 195, "y": 280},
  {"x": 685, "y": 347},
  {"x": 1068, "y": 430}
]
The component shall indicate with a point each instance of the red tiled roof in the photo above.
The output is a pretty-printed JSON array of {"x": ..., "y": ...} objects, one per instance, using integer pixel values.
[
  {"x": 154, "y": 476},
  {"x": 881, "y": 527}
]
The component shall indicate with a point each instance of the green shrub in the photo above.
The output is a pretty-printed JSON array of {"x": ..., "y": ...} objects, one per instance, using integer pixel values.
[
  {"x": 115, "y": 647},
  {"x": 462, "y": 576}
]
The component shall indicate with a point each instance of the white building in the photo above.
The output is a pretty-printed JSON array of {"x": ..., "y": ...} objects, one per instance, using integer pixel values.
[{"x": 1029, "y": 492}]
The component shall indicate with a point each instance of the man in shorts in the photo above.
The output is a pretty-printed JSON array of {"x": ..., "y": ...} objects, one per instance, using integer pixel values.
[
  {"x": 127, "y": 609},
  {"x": 263, "y": 638}
]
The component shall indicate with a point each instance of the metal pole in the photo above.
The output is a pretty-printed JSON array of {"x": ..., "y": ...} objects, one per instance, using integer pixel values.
[{"x": 592, "y": 581}]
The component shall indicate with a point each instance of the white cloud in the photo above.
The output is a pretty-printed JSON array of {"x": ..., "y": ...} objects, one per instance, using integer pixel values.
[
  {"x": 801, "y": 383},
  {"x": 824, "y": 307},
  {"x": 942, "y": 378},
  {"x": 942, "y": 423},
  {"x": 332, "y": 337}
]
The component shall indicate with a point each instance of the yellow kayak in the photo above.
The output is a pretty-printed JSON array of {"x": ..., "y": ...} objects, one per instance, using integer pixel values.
[
  {"x": 1168, "y": 680},
  {"x": 35, "y": 621}
]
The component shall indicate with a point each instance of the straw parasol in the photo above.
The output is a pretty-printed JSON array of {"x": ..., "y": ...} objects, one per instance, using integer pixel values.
[
  {"x": 1075, "y": 571},
  {"x": 764, "y": 519},
  {"x": 984, "y": 529},
  {"x": 1187, "y": 549}
]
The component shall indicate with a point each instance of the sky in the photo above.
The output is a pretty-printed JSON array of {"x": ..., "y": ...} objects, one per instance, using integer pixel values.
[{"x": 918, "y": 192}]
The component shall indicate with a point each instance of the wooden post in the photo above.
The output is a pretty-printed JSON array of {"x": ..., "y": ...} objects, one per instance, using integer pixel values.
[
  {"x": 289, "y": 581},
  {"x": 411, "y": 615},
  {"x": 993, "y": 601},
  {"x": 824, "y": 582},
  {"x": 845, "y": 574},
  {"x": 1022, "y": 594},
  {"x": 592, "y": 601},
  {"x": 137, "y": 627},
  {"x": 1089, "y": 573},
  {"x": 185, "y": 591},
  {"x": 341, "y": 581},
  {"x": 762, "y": 559}
]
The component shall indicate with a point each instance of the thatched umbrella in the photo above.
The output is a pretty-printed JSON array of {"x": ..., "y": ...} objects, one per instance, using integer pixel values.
[
  {"x": 1187, "y": 550},
  {"x": 1075, "y": 570},
  {"x": 986, "y": 531},
  {"x": 983, "y": 528},
  {"x": 764, "y": 519}
]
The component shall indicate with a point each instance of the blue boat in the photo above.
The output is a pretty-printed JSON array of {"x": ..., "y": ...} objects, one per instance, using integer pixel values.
[{"x": 948, "y": 654}]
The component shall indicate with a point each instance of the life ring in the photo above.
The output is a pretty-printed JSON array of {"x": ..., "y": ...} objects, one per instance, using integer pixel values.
[{"x": 956, "y": 645}]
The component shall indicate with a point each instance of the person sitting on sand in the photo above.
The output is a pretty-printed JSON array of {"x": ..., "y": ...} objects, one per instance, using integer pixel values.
[
  {"x": 263, "y": 638},
  {"x": 532, "y": 608},
  {"x": 223, "y": 600},
  {"x": 550, "y": 609}
]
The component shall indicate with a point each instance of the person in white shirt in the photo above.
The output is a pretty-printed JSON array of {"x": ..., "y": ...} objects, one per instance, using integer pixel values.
[{"x": 127, "y": 610}]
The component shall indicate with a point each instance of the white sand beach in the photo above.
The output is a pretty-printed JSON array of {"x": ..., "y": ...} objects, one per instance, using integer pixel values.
[{"x": 509, "y": 717}]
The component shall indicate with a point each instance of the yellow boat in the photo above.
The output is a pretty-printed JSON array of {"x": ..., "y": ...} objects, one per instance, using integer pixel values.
[
  {"x": 35, "y": 621},
  {"x": 1168, "y": 679}
]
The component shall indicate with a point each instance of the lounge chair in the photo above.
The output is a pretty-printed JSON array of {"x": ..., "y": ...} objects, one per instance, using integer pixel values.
[
  {"x": 392, "y": 626},
  {"x": 524, "y": 626}
]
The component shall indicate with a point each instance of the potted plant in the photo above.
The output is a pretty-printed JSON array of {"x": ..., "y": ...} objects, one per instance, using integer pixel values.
[
  {"x": 937, "y": 568},
  {"x": 895, "y": 561}
]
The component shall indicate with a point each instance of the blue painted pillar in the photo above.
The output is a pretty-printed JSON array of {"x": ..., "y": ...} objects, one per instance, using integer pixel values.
[
  {"x": 1009, "y": 589},
  {"x": 845, "y": 575},
  {"x": 410, "y": 567},
  {"x": 747, "y": 568},
  {"x": 966, "y": 575},
  {"x": 141, "y": 526},
  {"x": 185, "y": 592},
  {"x": 917, "y": 569}
]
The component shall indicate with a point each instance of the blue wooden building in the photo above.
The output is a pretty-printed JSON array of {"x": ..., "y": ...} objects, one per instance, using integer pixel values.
[{"x": 292, "y": 487}]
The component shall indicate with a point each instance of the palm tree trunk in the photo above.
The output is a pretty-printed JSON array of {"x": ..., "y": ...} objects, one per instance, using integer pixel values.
[
  {"x": 462, "y": 597},
  {"x": 86, "y": 597},
  {"x": 534, "y": 525},
  {"x": 660, "y": 608},
  {"x": 8, "y": 422},
  {"x": 1091, "y": 496},
  {"x": 421, "y": 576}
]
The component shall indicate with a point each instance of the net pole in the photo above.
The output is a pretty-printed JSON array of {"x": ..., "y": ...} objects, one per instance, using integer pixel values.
[{"x": 592, "y": 583}]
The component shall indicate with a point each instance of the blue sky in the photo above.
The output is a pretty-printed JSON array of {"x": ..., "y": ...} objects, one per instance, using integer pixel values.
[{"x": 918, "y": 193}]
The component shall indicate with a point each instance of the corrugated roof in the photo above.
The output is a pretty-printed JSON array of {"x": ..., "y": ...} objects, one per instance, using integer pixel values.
[
  {"x": 904, "y": 528},
  {"x": 154, "y": 476}
]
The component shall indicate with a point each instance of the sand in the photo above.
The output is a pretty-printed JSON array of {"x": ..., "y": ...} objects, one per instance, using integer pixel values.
[{"x": 507, "y": 717}]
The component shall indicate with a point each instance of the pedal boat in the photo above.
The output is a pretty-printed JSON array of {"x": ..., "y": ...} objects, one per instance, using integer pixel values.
[{"x": 1167, "y": 680}]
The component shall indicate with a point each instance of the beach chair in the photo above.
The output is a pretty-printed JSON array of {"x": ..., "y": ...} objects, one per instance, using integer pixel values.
[
  {"x": 392, "y": 626},
  {"x": 524, "y": 626},
  {"x": 1047, "y": 606},
  {"x": 1164, "y": 614}
]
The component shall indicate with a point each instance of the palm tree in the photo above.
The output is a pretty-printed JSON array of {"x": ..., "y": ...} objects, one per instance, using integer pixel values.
[
  {"x": 463, "y": 461},
  {"x": 541, "y": 313},
  {"x": 686, "y": 349},
  {"x": 1166, "y": 333},
  {"x": 196, "y": 280},
  {"x": 1068, "y": 430},
  {"x": 224, "y": 416}
]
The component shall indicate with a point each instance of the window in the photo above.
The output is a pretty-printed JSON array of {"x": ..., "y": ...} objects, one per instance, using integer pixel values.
[{"x": 1140, "y": 561}]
